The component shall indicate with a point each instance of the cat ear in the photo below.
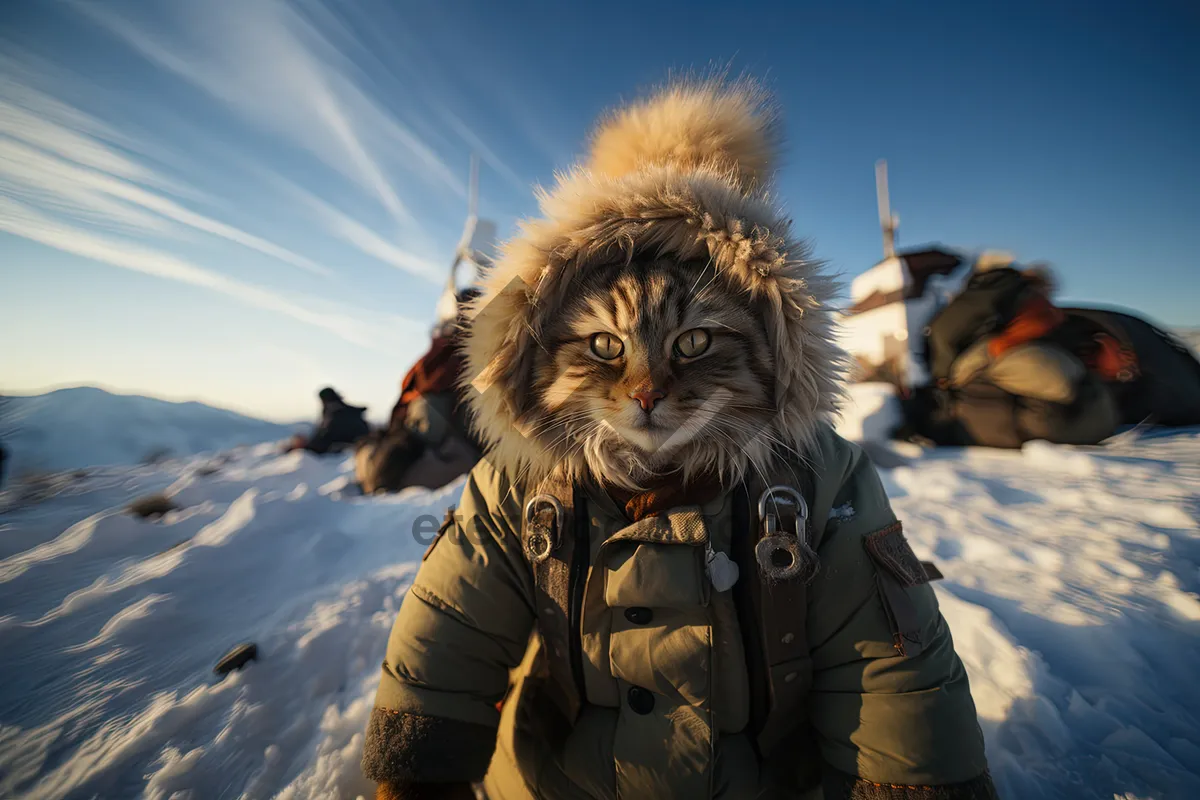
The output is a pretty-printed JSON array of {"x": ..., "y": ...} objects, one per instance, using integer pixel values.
[{"x": 501, "y": 346}]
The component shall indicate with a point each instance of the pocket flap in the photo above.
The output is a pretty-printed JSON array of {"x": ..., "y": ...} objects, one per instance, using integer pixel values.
[{"x": 655, "y": 576}]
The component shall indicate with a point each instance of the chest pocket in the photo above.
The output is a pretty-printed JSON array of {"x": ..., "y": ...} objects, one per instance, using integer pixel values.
[
  {"x": 639, "y": 575},
  {"x": 656, "y": 593},
  {"x": 660, "y": 652}
]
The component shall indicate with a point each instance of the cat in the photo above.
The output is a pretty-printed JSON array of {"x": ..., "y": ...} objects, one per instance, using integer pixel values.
[
  {"x": 668, "y": 229},
  {"x": 653, "y": 368}
]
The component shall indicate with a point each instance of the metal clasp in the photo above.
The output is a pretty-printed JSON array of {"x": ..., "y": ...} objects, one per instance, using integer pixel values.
[
  {"x": 783, "y": 556},
  {"x": 771, "y": 521},
  {"x": 540, "y": 542}
]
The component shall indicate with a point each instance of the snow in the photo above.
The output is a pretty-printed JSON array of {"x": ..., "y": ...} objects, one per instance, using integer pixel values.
[
  {"x": 1071, "y": 580},
  {"x": 111, "y": 627},
  {"x": 1071, "y": 589},
  {"x": 870, "y": 411},
  {"x": 85, "y": 427}
]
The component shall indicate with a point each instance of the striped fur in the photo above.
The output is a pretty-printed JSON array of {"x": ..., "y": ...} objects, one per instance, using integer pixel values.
[
  {"x": 672, "y": 218},
  {"x": 718, "y": 404}
]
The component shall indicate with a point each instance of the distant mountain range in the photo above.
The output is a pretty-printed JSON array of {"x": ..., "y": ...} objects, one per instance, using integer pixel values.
[{"x": 86, "y": 426}]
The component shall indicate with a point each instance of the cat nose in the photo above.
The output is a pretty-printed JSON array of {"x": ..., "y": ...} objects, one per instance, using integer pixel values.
[{"x": 648, "y": 397}]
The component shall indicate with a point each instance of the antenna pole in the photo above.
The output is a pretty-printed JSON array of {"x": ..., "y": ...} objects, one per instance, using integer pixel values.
[
  {"x": 886, "y": 221},
  {"x": 473, "y": 187},
  {"x": 464, "y": 244}
]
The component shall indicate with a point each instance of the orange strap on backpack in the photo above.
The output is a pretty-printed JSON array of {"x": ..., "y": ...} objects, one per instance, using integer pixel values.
[
  {"x": 436, "y": 371},
  {"x": 1111, "y": 361},
  {"x": 1036, "y": 318}
]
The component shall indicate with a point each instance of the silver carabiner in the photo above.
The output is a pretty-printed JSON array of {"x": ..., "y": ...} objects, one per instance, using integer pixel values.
[
  {"x": 539, "y": 542},
  {"x": 783, "y": 556},
  {"x": 771, "y": 521}
]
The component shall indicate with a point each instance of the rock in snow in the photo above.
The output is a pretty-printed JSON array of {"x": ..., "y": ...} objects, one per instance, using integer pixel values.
[
  {"x": 237, "y": 658},
  {"x": 1070, "y": 586},
  {"x": 152, "y": 506}
]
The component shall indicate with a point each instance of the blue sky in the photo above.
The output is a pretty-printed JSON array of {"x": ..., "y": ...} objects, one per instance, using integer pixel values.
[{"x": 239, "y": 201}]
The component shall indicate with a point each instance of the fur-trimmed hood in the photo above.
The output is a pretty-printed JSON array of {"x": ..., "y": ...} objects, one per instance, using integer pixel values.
[{"x": 683, "y": 173}]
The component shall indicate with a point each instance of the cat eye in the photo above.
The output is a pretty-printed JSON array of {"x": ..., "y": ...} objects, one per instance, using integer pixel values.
[
  {"x": 692, "y": 343},
  {"x": 607, "y": 346}
]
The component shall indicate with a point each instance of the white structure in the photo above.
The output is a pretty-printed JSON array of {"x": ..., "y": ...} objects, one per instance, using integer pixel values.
[{"x": 892, "y": 302}]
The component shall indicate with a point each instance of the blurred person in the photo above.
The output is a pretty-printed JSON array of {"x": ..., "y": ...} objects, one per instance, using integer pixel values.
[
  {"x": 669, "y": 577},
  {"x": 339, "y": 427}
]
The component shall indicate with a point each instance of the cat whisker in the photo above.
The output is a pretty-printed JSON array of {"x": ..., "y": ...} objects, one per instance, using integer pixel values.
[
  {"x": 718, "y": 324},
  {"x": 763, "y": 433},
  {"x": 566, "y": 421},
  {"x": 692, "y": 292}
]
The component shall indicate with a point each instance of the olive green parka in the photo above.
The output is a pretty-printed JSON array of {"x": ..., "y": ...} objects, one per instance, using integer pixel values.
[{"x": 676, "y": 691}]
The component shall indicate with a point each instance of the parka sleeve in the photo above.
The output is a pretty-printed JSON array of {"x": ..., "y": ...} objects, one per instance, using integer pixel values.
[
  {"x": 890, "y": 701},
  {"x": 463, "y": 625}
]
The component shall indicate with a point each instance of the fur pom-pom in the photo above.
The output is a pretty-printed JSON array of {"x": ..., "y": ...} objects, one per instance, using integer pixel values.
[{"x": 729, "y": 128}]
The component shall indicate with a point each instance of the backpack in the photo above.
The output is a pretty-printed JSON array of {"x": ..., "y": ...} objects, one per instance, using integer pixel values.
[
  {"x": 1152, "y": 375},
  {"x": 436, "y": 372},
  {"x": 988, "y": 303},
  {"x": 430, "y": 418}
]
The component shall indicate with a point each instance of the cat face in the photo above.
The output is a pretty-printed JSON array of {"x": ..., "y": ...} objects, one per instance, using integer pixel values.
[{"x": 654, "y": 368}]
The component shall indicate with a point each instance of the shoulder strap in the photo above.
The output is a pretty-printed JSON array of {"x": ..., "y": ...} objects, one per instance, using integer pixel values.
[
  {"x": 549, "y": 540},
  {"x": 773, "y": 605}
]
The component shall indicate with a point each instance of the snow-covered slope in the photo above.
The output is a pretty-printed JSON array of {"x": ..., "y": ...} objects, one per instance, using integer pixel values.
[
  {"x": 86, "y": 426},
  {"x": 1071, "y": 580},
  {"x": 111, "y": 628},
  {"x": 1191, "y": 337}
]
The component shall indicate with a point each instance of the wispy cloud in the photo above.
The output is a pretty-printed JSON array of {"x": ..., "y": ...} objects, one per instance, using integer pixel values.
[
  {"x": 359, "y": 235},
  {"x": 22, "y": 220},
  {"x": 58, "y": 128},
  {"x": 27, "y": 172},
  {"x": 421, "y": 71},
  {"x": 61, "y": 159},
  {"x": 272, "y": 68},
  {"x": 351, "y": 125},
  {"x": 55, "y": 157},
  {"x": 76, "y": 183}
]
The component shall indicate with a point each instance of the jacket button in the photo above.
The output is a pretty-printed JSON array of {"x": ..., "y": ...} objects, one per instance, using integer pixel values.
[
  {"x": 639, "y": 615},
  {"x": 641, "y": 701}
]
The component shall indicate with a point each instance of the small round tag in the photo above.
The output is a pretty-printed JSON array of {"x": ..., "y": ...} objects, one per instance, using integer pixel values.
[{"x": 722, "y": 571}]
